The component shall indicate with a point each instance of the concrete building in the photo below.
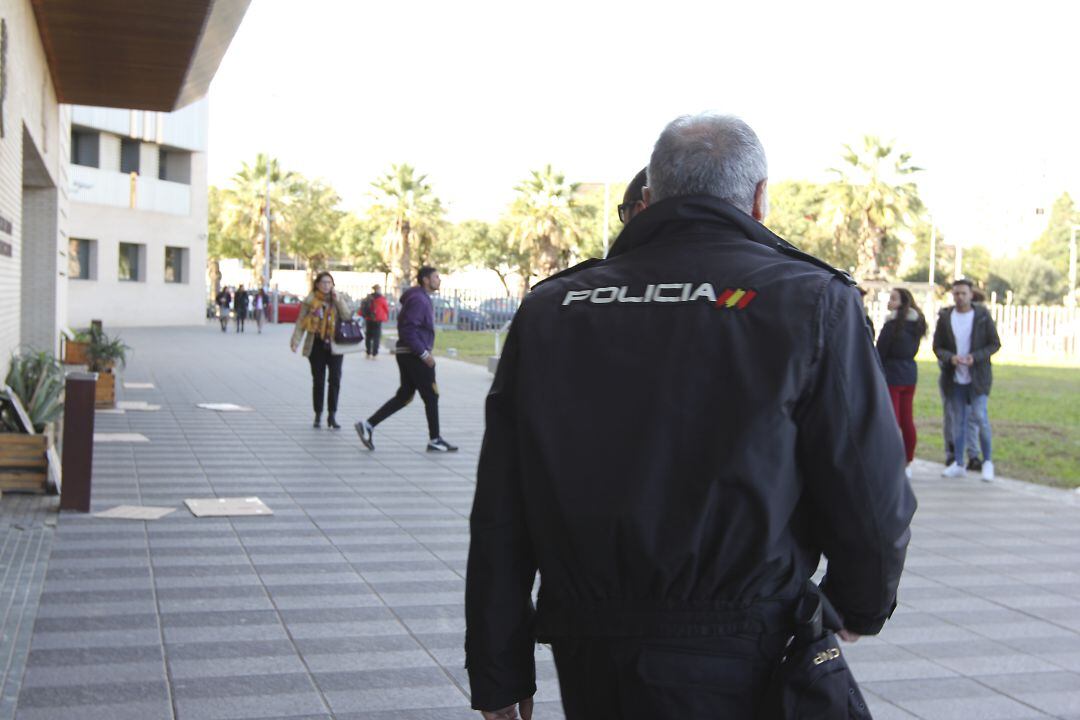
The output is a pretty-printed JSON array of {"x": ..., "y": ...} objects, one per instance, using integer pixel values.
[
  {"x": 156, "y": 55},
  {"x": 137, "y": 220}
]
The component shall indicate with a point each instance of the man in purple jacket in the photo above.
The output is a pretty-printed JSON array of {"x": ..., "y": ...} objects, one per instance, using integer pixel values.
[{"x": 416, "y": 338}]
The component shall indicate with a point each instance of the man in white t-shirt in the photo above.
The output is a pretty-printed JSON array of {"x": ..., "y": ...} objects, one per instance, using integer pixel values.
[{"x": 964, "y": 340}]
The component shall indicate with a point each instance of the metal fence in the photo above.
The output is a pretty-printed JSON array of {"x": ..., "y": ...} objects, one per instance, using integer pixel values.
[
  {"x": 1033, "y": 330},
  {"x": 467, "y": 310}
]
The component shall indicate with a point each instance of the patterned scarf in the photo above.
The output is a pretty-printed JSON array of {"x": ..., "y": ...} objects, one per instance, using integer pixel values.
[{"x": 322, "y": 316}]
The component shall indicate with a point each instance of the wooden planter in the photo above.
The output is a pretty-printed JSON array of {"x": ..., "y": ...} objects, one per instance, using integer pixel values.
[
  {"x": 105, "y": 390},
  {"x": 76, "y": 353},
  {"x": 24, "y": 466}
]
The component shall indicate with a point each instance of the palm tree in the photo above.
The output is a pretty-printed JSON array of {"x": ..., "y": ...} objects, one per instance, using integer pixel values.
[
  {"x": 245, "y": 209},
  {"x": 546, "y": 222},
  {"x": 870, "y": 201},
  {"x": 313, "y": 219},
  {"x": 410, "y": 216}
]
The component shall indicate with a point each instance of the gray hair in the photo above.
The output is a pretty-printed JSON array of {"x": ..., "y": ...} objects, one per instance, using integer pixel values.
[{"x": 718, "y": 155}]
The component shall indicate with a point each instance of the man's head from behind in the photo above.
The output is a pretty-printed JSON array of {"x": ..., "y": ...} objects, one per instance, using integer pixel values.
[
  {"x": 717, "y": 155},
  {"x": 632, "y": 201}
]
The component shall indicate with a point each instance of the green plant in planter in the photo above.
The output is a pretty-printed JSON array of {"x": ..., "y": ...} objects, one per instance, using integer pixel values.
[
  {"x": 38, "y": 380},
  {"x": 105, "y": 352}
]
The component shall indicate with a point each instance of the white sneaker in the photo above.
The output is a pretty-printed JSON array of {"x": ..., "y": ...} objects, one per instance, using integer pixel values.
[
  {"x": 988, "y": 471},
  {"x": 955, "y": 470},
  {"x": 907, "y": 472}
]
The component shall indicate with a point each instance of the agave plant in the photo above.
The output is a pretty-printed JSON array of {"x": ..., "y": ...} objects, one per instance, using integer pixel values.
[
  {"x": 38, "y": 381},
  {"x": 105, "y": 352}
]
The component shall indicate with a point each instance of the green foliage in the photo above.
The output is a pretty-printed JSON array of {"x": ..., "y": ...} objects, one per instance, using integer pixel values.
[
  {"x": 945, "y": 257},
  {"x": 105, "y": 352},
  {"x": 547, "y": 222},
  {"x": 243, "y": 207},
  {"x": 591, "y": 198},
  {"x": 358, "y": 240},
  {"x": 313, "y": 221},
  {"x": 870, "y": 206},
  {"x": 795, "y": 214},
  {"x": 410, "y": 218},
  {"x": 478, "y": 244},
  {"x": 38, "y": 381},
  {"x": 1032, "y": 279},
  {"x": 1053, "y": 244}
]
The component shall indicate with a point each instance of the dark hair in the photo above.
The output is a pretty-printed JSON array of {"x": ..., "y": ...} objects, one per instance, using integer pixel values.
[
  {"x": 907, "y": 301},
  {"x": 963, "y": 281},
  {"x": 633, "y": 190},
  {"x": 424, "y": 272},
  {"x": 320, "y": 276}
]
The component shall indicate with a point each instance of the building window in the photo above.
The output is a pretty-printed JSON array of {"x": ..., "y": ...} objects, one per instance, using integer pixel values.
[
  {"x": 132, "y": 262},
  {"x": 129, "y": 155},
  {"x": 175, "y": 264},
  {"x": 85, "y": 148},
  {"x": 174, "y": 166},
  {"x": 82, "y": 259}
]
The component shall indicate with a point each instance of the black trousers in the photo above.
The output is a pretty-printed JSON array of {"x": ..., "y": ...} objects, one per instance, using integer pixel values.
[
  {"x": 322, "y": 359},
  {"x": 372, "y": 335},
  {"x": 709, "y": 678},
  {"x": 415, "y": 377},
  {"x": 241, "y": 315}
]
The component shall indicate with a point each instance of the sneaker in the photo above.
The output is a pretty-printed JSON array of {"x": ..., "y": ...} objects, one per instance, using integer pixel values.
[
  {"x": 364, "y": 430},
  {"x": 988, "y": 471},
  {"x": 974, "y": 464},
  {"x": 954, "y": 471},
  {"x": 440, "y": 445}
]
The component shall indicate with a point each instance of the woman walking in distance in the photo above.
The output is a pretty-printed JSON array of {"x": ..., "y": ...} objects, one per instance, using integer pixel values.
[
  {"x": 318, "y": 316},
  {"x": 897, "y": 345}
]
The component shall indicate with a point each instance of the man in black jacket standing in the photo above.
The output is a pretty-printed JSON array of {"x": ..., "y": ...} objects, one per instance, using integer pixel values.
[
  {"x": 964, "y": 340},
  {"x": 674, "y": 436}
]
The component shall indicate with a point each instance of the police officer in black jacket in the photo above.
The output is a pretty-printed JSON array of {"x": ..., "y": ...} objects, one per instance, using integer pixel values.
[{"x": 675, "y": 435}]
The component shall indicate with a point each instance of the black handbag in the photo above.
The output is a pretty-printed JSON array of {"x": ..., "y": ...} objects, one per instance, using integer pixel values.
[
  {"x": 348, "y": 332},
  {"x": 813, "y": 681}
]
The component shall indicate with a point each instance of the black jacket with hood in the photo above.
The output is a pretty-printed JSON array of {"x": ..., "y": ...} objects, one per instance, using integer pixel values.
[{"x": 674, "y": 436}]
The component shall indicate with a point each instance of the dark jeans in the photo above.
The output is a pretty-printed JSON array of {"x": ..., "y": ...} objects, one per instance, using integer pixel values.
[
  {"x": 372, "y": 335},
  {"x": 666, "y": 678},
  {"x": 241, "y": 315},
  {"x": 321, "y": 358},
  {"x": 415, "y": 377}
]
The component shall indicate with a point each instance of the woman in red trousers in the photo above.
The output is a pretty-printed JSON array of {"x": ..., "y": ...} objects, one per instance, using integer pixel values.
[{"x": 897, "y": 345}]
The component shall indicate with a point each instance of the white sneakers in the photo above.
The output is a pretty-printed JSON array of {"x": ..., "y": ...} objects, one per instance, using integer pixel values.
[{"x": 954, "y": 471}]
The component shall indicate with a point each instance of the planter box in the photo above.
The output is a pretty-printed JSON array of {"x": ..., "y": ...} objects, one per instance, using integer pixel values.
[
  {"x": 24, "y": 466},
  {"x": 76, "y": 353},
  {"x": 105, "y": 390}
]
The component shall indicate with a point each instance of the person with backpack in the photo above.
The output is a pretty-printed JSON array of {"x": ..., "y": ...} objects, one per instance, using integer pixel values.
[{"x": 375, "y": 311}]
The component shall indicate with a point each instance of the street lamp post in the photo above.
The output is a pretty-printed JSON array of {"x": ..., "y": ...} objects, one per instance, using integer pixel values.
[{"x": 1070, "y": 299}]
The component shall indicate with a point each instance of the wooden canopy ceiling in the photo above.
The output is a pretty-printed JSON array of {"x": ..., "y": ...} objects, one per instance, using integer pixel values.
[{"x": 144, "y": 55}]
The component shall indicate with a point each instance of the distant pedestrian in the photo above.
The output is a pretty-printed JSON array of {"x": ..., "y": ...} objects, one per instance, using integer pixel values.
[
  {"x": 416, "y": 364},
  {"x": 224, "y": 301},
  {"x": 260, "y": 301},
  {"x": 976, "y": 432},
  {"x": 375, "y": 311},
  {"x": 964, "y": 340},
  {"x": 898, "y": 344},
  {"x": 240, "y": 306},
  {"x": 319, "y": 313}
]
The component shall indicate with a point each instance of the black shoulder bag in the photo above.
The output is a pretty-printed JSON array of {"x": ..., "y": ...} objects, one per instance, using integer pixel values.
[{"x": 813, "y": 681}]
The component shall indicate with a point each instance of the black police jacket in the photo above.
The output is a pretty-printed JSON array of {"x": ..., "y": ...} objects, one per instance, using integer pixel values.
[{"x": 674, "y": 435}]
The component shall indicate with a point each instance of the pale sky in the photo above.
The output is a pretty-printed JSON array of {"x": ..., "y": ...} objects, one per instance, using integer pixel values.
[{"x": 985, "y": 95}]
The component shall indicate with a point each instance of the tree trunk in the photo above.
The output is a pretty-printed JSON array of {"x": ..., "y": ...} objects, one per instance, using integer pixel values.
[
  {"x": 405, "y": 261},
  {"x": 215, "y": 276},
  {"x": 258, "y": 261}
]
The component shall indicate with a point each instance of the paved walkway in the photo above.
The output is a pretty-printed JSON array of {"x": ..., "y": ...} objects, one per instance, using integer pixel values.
[{"x": 347, "y": 603}]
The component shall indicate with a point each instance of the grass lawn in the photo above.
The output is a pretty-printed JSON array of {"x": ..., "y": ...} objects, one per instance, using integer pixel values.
[
  {"x": 1035, "y": 415},
  {"x": 1034, "y": 411},
  {"x": 472, "y": 346}
]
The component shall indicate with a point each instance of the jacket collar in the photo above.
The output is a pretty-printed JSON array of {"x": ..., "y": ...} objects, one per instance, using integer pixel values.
[{"x": 677, "y": 214}]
